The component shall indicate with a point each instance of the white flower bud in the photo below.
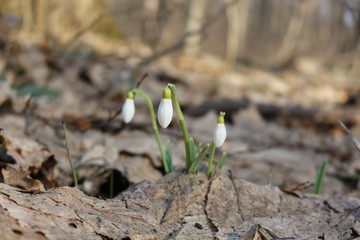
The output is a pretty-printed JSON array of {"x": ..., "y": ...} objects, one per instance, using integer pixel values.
[
  {"x": 128, "y": 110},
  {"x": 220, "y": 131},
  {"x": 219, "y": 134},
  {"x": 165, "y": 112}
]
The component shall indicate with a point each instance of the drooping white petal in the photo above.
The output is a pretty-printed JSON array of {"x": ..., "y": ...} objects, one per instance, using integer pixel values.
[
  {"x": 219, "y": 134},
  {"x": 128, "y": 110},
  {"x": 165, "y": 112}
]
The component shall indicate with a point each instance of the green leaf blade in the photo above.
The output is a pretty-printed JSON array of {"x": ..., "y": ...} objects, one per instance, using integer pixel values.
[
  {"x": 320, "y": 176},
  {"x": 219, "y": 164},
  {"x": 168, "y": 155},
  {"x": 191, "y": 147},
  {"x": 195, "y": 165}
]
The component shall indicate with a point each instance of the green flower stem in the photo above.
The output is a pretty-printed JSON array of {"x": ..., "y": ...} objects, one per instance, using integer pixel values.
[
  {"x": 212, "y": 153},
  {"x": 69, "y": 156},
  {"x": 183, "y": 126},
  {"x": 154, "y": 125}
]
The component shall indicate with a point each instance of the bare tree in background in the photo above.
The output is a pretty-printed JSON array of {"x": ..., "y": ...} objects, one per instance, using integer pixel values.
[
  {"x": 338, "y": 30},
  {"x": 275, "y": 29},
  {"x": 41, "y": 16},
  {"x": 355, "y": 65},
  {"x": 237, "y": 19},
  {"x": 27, "y": 9},
  {"x": 303, "y": 10},
  {"x": 194, "y": 23},
  {"x": 34, "y": 17},
  {"x": 356, "y": 60},
  {"x": 151, "y": 28}
]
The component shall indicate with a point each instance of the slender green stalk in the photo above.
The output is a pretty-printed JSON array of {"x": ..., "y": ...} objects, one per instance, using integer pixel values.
[
  {"x": 179, "y": 114},
  {"x": 211, "y": 158},
  {"x": 269, "y": 179},
  {"x": 154, "y": 125},
  {"x": 69, "y": 156}
]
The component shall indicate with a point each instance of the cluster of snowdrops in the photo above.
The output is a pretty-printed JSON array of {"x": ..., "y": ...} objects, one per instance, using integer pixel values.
[{"x": 195, "y": 154}]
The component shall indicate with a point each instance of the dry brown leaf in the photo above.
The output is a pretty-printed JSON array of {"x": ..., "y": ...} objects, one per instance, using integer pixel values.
[
  {"x": 177, "y": 206},
  {"x": 26, "y": 152},
  {"x": 13, "y": 230},
  {"x": 21, "y": 178}
]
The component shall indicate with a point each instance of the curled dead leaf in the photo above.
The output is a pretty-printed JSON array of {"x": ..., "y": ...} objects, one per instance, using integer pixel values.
[{"x": 21, "y": 179}]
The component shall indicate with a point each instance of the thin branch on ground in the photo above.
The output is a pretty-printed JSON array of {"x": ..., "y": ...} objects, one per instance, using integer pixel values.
[{"x": 353, "y": 139}]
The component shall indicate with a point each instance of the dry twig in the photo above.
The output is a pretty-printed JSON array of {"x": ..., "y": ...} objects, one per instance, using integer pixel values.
[{"x": 353, "y": 139}]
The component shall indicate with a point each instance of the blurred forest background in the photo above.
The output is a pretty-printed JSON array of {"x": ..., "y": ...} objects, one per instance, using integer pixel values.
[
  {"x": 270, "y": 34},
  {"x": 284, "y": 71}
]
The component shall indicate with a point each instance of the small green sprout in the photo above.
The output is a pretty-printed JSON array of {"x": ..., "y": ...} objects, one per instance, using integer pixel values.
[{"x": 320, "y": 176}]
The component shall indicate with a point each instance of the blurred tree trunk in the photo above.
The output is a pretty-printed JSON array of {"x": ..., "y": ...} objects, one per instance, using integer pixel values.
[
  {"x": 27, "y": 8},
  {"x": 355, "y": 66},
  {"x": 323, "y": 26},
  {"x": 151, "y": 26},
  {"x": 41, "y": 19},
  {"x": 337, "y": 34},
  {"x": 303, "y": 9},
  {"x": 34, "y": 14},
  {"x": 194, "y": 22},
  {"x": 237, "y": 20}
]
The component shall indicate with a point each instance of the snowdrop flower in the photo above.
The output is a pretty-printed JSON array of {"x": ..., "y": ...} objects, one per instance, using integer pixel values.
[
  {"x": 165, "y": 110},
  {"x": 128, "y": 109},
  {"x": 220, "y": 131}
]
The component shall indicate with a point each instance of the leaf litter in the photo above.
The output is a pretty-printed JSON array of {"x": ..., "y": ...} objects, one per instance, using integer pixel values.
[{"x": 282, "y": 152}]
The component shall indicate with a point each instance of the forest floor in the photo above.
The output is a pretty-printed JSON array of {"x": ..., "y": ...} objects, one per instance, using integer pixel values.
[{"x": 282, "y": 125}]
